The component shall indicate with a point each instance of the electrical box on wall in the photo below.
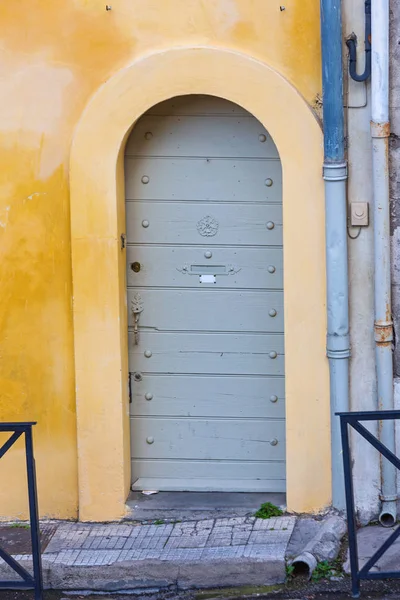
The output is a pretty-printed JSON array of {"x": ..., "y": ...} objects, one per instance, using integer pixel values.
[{"x": 359, "y": 216}]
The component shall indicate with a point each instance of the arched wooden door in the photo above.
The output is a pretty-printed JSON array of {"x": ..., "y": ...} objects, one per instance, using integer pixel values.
[{"x": 205, "y": 299}]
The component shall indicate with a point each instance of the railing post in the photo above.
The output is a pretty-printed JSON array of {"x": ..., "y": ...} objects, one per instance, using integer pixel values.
[
  {"x": 354, "y": 419},
  {"x": 27, "y": 581},
  {"x": 350, "y": 509},
  {"x": 34, "y": 516}
]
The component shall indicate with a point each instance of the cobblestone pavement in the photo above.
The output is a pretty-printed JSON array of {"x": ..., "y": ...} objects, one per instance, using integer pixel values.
[{"x": 80, "y": 544}]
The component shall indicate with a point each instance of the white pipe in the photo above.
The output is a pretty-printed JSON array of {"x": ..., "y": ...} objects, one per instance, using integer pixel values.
[
  {"x": 380, "y": 61},
  {"x": 380, "y": 131}
]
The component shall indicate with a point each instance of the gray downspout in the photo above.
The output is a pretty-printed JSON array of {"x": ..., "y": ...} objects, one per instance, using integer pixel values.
[
  {"x": 335, "y": 175},
  {"x": 380, "y": 131}
]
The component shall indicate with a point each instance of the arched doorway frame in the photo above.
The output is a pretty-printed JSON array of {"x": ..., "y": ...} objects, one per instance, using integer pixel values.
[{"x": 98, "y": 265}]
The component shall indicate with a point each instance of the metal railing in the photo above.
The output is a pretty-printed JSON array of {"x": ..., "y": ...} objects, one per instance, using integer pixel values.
[
  {"x": 353, "y": 419},
  {"x": 27, "y": 580}
]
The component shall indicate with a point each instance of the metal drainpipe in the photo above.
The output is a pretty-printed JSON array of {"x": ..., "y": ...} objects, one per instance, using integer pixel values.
[
  {"x": 335, "y": 175},
  {"x": 380, "y": 130}
]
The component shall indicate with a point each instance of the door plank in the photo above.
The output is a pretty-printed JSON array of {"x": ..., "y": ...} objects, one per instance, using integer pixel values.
[
  {"x": 211, "y": 439},
  {"x": 209, "y": 353},
  {"x": 216, "y": 180},
  {"x": 191, "y": 310},
  {"x": 197, "y": 104},
  {"x": 164, "y": 266},
  {"x": 176, "y": 223},
  {"x": 191, "y": 396},
  {"x": 220, "y": 136},
  {"x": 222, "y": 469},
  {"x": 181, "y": 484}
]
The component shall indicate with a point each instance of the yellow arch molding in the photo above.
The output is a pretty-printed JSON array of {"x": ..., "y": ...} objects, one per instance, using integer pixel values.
[{"x": 98, "y": 263}]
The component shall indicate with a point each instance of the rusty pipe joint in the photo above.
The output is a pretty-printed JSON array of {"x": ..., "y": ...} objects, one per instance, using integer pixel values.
[
  {"x": 383, "y": 333},
  {"x": 380, "y": 130}
]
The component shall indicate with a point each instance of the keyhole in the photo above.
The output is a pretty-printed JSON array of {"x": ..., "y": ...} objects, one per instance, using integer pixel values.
[{"x": 135, "y": 267}]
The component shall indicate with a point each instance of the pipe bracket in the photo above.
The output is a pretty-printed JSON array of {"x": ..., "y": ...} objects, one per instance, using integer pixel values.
[
  {"x": 338, "y": 354},
  {"x": 388, "y": 498},
  {"x": 332, "y": 171},
  {"x": 338, "y": 346},
  {"x": 380, "y": 130}
]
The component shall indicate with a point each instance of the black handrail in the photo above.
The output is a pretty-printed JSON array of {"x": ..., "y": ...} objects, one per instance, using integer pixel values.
[
  {"x": 27, "y": 580},
  {"x": 353, "y": 419}
]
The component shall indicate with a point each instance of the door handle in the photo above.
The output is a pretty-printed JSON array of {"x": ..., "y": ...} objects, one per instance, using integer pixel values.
[{"x": 137, "y": 309}]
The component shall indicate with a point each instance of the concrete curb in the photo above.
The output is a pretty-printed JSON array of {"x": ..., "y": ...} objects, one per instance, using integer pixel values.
[
  {"x": 154, "y": 574},
  {"x": 157, "y": 575},
  {"x": 325, "y": 545}
]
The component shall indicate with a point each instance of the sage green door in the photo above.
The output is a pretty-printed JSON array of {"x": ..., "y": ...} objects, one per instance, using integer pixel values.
[{"x": 205, "y": 299}]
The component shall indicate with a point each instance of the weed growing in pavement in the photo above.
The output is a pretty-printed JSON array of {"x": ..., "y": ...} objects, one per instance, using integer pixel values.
[
  {"x": 323, "y": 570},
  {"x": 268, "y": 510},
  {"x": 289, "y": 571}
]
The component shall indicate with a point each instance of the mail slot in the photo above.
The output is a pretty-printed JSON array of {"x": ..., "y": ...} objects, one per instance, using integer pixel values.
[{"x": 209, "y": 270}]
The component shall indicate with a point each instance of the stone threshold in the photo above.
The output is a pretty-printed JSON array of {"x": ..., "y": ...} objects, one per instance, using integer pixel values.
[{"x": 196, "y": 554}]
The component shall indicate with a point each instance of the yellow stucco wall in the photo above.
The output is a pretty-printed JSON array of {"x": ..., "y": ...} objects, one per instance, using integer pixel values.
[{"x": 55, "y": 57}]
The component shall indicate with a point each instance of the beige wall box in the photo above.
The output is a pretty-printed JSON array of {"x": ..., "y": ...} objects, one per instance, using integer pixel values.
[{"x": 359, "y": 214}]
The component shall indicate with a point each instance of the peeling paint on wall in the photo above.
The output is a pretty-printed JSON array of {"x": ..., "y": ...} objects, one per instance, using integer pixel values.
[{"x": 54, "y": 58}]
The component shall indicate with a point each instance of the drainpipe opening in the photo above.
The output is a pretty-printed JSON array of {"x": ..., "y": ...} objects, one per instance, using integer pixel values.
[
  {"x": 304, "y": 565},
  {"x": 301, "y": 569},
  {"x": 387, "y": 518}
]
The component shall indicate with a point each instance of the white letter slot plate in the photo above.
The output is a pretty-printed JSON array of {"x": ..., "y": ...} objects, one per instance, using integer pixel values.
[{"x": 208, "y": 279}]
